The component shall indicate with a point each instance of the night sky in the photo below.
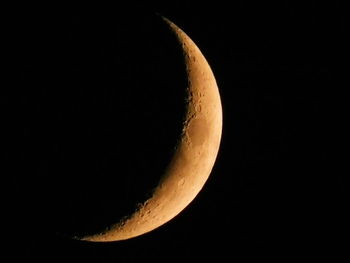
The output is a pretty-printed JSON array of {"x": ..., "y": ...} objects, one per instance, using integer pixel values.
[{"x": 95, "y": 109}]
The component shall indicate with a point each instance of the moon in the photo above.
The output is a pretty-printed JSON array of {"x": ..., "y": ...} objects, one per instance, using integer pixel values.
[{"x": 194, "y": 155}]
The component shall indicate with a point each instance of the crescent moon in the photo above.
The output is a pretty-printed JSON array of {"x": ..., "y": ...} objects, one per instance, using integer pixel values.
[{"x": 195, "y": 153}]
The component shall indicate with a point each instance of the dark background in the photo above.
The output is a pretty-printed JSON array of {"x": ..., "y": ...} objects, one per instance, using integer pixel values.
[{"x": 94, "y": 110}]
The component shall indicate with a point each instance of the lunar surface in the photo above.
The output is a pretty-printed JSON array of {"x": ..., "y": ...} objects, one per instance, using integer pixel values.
[{"x": 193, "y": 159}]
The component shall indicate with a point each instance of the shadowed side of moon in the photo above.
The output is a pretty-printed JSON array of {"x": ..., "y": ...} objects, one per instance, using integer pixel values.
[{"x": 101, "y": 119}]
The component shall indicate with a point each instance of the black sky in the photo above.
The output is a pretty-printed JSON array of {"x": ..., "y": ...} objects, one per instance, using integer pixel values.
[{"x": 92, "y": 84}]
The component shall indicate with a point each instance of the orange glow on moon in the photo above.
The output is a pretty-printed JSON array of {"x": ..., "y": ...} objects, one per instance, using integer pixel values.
[{"x": 195, "y": 154}]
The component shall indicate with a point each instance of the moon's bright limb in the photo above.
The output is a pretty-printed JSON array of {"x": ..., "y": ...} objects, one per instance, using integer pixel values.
[{"x": 194, "y": 157}]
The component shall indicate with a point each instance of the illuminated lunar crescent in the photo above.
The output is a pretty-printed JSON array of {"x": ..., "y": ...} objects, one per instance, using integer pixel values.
[{"x": 193, "y": 159}]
